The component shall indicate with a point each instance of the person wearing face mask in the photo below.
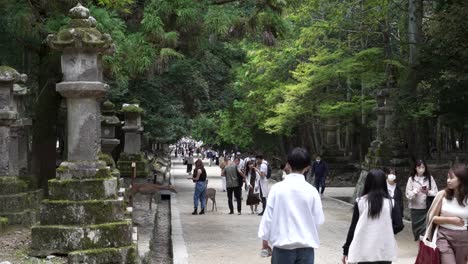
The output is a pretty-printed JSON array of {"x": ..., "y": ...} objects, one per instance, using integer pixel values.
[
  {"x": 420, "y": 186},
  {"x": 320, "y": 170},
  {"x": 394, "y": 190}
]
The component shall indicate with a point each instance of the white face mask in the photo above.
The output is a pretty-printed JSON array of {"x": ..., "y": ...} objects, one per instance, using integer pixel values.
[
  {"x": 420, "y": 170},
  {"x": 391, "y": 177},
  {"x": 317, "y": 160}
]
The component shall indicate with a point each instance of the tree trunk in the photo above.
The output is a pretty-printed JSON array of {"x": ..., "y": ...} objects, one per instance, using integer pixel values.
[{"x": 45, "y": 118}]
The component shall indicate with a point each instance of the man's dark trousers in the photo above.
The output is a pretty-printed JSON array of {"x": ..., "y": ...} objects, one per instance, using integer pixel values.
[
  {"x": 320, "y": 182},
  {"x": 264, "y": 200},
  {"x": 237, "y": 193}
]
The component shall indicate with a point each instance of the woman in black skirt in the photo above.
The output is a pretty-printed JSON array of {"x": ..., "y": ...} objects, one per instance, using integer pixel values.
[{"x": 252, "y": 199}]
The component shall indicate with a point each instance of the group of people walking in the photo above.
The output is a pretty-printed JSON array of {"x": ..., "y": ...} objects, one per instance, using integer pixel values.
[
  {"x": 292, "y": 209},
  {"x": 249, "y": 172},
  {"x": 294, "y": 212}
]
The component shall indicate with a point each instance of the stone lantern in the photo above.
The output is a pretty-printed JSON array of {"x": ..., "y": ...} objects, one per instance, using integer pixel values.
[
  {"x": 17, "y": 201},
  {"x": 83, "y": 217},
  {"x": 132, "y": 148},
  {"x": 20, "y": 133},
  {"x": 108, "y": 124}
]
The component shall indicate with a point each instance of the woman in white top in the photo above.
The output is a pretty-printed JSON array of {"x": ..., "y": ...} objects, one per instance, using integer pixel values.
[
  {"x": 452, "y": 238},
  {"x": 420, "y": 187},
  {"x": 371, "y": 236}
]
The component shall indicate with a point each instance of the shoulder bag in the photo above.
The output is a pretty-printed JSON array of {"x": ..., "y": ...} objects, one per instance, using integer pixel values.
[{"x": 428, "y": 252}]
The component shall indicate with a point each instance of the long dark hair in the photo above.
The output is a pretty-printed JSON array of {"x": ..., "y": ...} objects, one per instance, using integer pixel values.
[
  {"x": 426, "y": 171},
  {"x": 376, "y": 190},
  {"x": 461, "y": 172},
  {"x": 199, "y": 164},
  {"x": 248, "y": 170}
]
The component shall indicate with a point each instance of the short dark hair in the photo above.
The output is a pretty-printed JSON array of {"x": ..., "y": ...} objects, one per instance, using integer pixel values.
[
  {"x": 259, "y": 157},
  {"x": 298, "y": 159}
]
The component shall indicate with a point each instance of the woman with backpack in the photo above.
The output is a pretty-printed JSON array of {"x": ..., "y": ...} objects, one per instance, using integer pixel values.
[{"x": 375, "y": 221}]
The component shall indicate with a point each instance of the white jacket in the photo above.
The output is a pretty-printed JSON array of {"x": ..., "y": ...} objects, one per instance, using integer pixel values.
[
  {"x": 262, "y": 182},
  {"x": 373, "y": 238}
]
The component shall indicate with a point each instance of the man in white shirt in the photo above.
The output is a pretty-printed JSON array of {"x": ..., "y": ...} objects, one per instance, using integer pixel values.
[
  {"x": 290, "y": 223},
  {"x": 262, "y": 169}
]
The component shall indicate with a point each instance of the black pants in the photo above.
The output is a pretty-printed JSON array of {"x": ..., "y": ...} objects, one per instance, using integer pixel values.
[
  {"x": 237, "y": 193},
  {"x": 189, "y": 168},
  {"x": 263, "y": 200}
]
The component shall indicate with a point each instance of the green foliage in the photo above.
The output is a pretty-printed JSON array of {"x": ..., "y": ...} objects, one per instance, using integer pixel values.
[
  {"x": 121, "y": 5},
  {"x": 346, "y": 110}
]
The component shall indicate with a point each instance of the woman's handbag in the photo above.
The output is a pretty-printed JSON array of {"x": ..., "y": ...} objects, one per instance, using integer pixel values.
[
  {"x": 185, "y": 161},
  {"x": 428, "y": 251}
]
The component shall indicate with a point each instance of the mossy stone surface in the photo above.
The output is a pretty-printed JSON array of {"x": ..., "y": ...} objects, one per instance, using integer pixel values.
[
  {"x": 3, "y": 224},
  {"x": 126, "y": 170},
  {"x": 131, "y": 157},
  {"x": 123, "y": 255},
  {"x": 12, "y": 185},
  {"x": 60, "y": 239},
  {"x": 81, "y": 212},
  {"x": 107, "y": 159},
  {"x": 85, "y": 189},
  {"x": 25, "y": 218}
]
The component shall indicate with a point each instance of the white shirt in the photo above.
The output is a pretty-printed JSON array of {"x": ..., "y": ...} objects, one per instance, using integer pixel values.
[
  {"x": 293, "y": 214},
  {"x": 453, "y": 208},
  {"x": 417, "y": 199},
  {"x": 391, "y": 189}
]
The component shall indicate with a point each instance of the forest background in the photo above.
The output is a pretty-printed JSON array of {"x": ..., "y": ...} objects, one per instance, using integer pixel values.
[{"x": 260, "y": 75}]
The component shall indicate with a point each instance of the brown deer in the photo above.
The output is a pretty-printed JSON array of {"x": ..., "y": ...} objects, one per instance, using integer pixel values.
[
  {"x": 211, "y": 194},
  {"x": 147, "y": 188}
]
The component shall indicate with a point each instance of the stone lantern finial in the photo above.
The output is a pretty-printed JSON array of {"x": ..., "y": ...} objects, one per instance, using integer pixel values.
[
  {"x": 79, "y": 12},
  {"x": 81, "y": 33}
]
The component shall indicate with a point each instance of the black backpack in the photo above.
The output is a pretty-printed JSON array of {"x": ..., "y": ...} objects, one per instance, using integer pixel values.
[{"x": 269, "y": 171}]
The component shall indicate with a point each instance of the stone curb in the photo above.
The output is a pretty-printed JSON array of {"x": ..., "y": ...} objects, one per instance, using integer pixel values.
[{"x": 179, "y": 250}]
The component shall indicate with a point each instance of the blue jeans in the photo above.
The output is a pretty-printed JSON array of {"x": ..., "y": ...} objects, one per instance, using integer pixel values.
[
  {"x": 200, "y": 194},
  {"x": 292, "y": 256}
]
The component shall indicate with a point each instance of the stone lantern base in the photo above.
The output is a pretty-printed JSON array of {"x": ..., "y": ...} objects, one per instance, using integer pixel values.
[
  {"x": 125, "y": 165},
  {"x": 18, "y": 203},
  {"x": 84, "y": 217}
]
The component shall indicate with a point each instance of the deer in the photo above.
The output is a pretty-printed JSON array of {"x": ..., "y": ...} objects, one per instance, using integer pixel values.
[
  {"x": 211, "y": 194},
  {"x": 147, "y": 188}
]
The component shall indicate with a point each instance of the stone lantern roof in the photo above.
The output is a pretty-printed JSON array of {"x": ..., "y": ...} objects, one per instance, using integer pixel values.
[
  {"x": 10, "y": 75},
  {"x": 81, "y": 33}
]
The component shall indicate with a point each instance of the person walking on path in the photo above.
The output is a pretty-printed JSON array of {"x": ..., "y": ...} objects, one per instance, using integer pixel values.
[
  {"x": 289, "y": 226},
  {"x": 224, "y": 162},
  {"x": 262, "y": 170},
  {"x": 371, "y": 235},
  {"x": 252, "y": 186},
  {"x": 420, "y": 187},
  {"x": 450, "y": 211},
  {"x": 199, "y": 178},
  {"x": 394, "y": 190},
  {"x": 320, "y": 169},
  {"x": 232, "y": 173},
  {"x": 189, "y": 160}
]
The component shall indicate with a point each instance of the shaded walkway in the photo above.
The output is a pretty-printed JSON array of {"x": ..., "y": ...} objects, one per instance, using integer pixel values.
[{"x": 219, "y": 238}]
